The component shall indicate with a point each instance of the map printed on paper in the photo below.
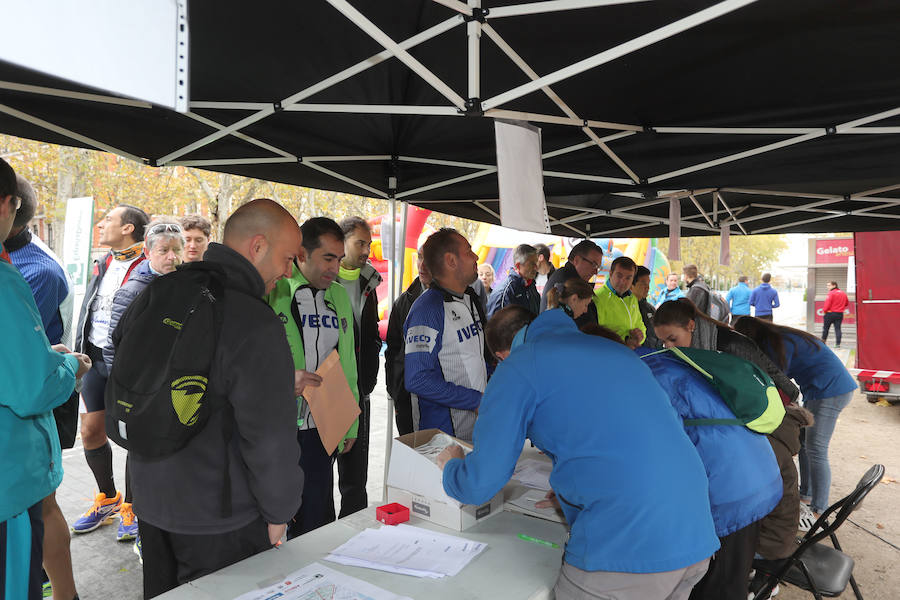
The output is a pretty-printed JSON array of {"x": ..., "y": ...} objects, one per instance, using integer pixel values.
[{"x": 318, "y": 582}]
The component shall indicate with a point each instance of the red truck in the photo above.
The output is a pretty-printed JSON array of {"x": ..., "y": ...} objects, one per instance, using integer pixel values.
[{"x": 878, "y": 314}]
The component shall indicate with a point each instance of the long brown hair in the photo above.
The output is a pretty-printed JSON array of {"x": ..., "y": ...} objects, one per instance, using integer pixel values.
[
  {"x": 680, "y": 312},
  {"x": 770, "y": 337}
]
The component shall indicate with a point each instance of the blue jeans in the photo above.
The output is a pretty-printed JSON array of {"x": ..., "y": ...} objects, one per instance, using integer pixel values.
[{"x": 815, "y": 472}]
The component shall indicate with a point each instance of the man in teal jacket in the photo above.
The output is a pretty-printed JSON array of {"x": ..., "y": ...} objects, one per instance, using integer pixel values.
[
  {"x": 318, "y": 318},
  {"x": 36, "y": 379},
  {"x": 628, "y": 479}
]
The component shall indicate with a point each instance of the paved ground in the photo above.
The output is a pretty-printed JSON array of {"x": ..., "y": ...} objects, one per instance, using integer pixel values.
[{"x": 866, "y": 433}]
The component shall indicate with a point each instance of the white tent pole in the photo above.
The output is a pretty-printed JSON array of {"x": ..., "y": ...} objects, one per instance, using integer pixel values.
[
  {"x": 733, "y": 216},
  {"x": 621, "y": 229},
  {"x": 213, "y": 162},
  {"x": 359, "y": 67},
  {"x": 349, "y": 11},
  {"x": 740, "y": 130},
  {"x": 791, "y": 209},
  {"x": 387, "y": 109},
  {"x": 489, "y": 211},
  {"x": 580, "y": 233},
  {"x": 240, "y": 136},
  {"x": 619, "y": 51},
  {"x": 46, "y": 91},
  {"x": 349, "y": 180},
  {"x": 392, "y": 292},
  {"x": 821, "y": 211},
  {"x": 886, "y": 188},
  {"x": 500, "y": 113},
  {"x": 585, "y": 177},
  {"x": 447, "y": 182},
  {"x": 68, "y": 133},
  {"x": 780, "y": 193},
  {"x": 473, "y": 33},
  {"x": 612, "y": 155},
  {"x": 456, "y": 5},
  {"x": 794, "y": 224},
  {"x": 550, "y": 6},
  {"x": 349, "y": 158},
  {"x": 619, "y": 213}
]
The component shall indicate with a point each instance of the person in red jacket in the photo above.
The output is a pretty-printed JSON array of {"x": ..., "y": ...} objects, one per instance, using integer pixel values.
[{"x": 835, "y": 305}]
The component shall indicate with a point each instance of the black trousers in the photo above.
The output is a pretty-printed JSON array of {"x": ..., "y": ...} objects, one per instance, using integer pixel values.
[
  {"x": 729, "y": 568},
  {"x": 171, "y": 559},
  {"x": 317, "y": 508},
  {"x": 832, "y": 318},
  {"x": 353, "y": 467},
  {"x": 403, "y": 412},
  {"x": 767, "y": 317}
]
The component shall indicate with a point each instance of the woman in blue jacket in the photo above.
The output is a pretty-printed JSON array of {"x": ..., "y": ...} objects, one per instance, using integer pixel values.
[
  {"x": 827, "y": 388},
  {"x": 744, "y": 478}
]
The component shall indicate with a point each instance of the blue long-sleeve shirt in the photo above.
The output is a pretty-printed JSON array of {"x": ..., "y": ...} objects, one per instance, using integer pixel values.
[
  {"x": 738, "y": 299},
  {"x": 48, "y": 284},
  {"x": 632, "y": 487},
  {"x": 764, "y": 298}
]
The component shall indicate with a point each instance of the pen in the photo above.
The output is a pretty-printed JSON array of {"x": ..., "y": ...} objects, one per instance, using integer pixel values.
[{"x": 528, "y": 538}]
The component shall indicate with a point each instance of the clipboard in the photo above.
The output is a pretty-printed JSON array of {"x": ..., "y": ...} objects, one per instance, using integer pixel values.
[{"x": 332, "y": 404}]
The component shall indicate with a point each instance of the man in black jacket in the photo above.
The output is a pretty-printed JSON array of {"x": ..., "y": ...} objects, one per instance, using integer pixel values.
[
  {"x": 185, "y": 526},
  {"x": 640, "y": 288},
  {"x": 360, "y": 279},
  {"x": 584, "y": 262},
  {"x": 395, "y": 354}
]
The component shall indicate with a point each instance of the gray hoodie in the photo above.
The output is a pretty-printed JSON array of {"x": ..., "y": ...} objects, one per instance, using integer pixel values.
[{"x": 253, "y": 369}]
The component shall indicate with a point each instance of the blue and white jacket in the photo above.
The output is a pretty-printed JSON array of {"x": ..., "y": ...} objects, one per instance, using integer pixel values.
[
  {"x": 744, "y": 477},
  {"x": 633, "y": 490},
  {"x": 514, "y": 290},
  {"x": 445, "y": 369}
]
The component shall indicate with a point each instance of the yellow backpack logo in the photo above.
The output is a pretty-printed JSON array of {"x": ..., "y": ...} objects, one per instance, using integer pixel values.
[{"x": 187, "y": 393}]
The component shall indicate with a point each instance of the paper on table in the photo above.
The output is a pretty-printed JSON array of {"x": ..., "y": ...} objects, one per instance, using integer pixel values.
[
  {"x": 524, "y": 500},
  {"x": 408, "y": 550},
  {"x": 333, "y": 405},
  {"x": 534, "y": 473},
  {"x": 317, "y": 581}
]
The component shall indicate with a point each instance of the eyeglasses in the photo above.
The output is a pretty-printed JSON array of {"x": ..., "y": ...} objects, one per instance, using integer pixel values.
[
  {"x": 165, "y": 227},
  {"x": 592, "y": 263}
]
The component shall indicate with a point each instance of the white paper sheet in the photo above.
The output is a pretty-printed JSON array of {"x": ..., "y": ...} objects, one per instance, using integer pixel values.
[
  {"x": 318, "y": 582},
  {"x": 525, "y": 503},
  {"x": 408, "y": 550},
  {"x": 533, "y": 473}
]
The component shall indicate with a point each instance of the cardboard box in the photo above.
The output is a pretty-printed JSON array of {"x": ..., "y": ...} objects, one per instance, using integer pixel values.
[{"x": 416, "y": 482}]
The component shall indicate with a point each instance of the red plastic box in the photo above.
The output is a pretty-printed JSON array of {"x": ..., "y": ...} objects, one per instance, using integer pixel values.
[{"x": 392, "y": 514}]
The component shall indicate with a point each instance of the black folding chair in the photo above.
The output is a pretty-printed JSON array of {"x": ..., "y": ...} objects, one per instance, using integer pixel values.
[{"x": 815, "y": 567}]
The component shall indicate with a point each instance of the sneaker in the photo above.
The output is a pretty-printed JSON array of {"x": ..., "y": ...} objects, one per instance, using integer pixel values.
[
  {"x": 807, "y": 518},
  {"x": 128, "y": 527},
  {"x": 46, "y": 590},
  {"x": 137, "y": 549},
  {"x": 102, "y": 511}
]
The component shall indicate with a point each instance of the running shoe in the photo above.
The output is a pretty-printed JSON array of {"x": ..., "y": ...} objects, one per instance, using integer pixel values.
[
  {"x": 807, "y": 518},
  {"x": 46, "y": 590},
  {"x": 128, "y": 526},
  {"x": 102, "y": 511},
  {"x": 137, "y": 549}
]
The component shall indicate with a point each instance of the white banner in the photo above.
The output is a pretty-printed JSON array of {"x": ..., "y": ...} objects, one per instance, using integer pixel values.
[
  {"x": 77, "y": 240},
  {"x": 520, "y": 175}
]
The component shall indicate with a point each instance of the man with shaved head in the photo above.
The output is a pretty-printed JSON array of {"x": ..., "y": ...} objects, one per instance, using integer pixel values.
[{"x": 225, "y": 497}]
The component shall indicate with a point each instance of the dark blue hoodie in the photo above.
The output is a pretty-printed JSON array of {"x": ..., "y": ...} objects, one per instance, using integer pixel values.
[{"x": 631, "y": 484}]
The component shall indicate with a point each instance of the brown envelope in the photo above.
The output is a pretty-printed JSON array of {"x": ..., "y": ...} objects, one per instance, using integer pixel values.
[{"x": 333, "y": 405}]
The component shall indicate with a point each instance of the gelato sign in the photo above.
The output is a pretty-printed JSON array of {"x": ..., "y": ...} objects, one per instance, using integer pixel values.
[{"x": 834, "y": 251}]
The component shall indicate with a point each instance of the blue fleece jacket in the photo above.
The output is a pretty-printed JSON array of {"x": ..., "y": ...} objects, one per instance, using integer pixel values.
[
  {"x": 738, "y": 299},
  {"x": 764, "y": 298},
  {"x": 744, "y": 478},
  {"x": 36, "y": 379},
  {"x": 816, "y": 369},
  {"x": 631, "y": 485}
]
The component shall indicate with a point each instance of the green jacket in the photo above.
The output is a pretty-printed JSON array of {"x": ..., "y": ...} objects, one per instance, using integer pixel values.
[
  {"x": 618, "y": 313},
  {"x": 281, "y": 299}
]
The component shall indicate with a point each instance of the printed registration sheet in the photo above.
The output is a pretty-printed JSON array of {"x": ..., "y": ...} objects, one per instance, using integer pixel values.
[{"x": 318, "y": 582}]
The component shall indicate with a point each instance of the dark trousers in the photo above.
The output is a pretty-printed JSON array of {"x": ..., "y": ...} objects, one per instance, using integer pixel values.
[
  {"x": 729, "y": 568},
  {"x": 403, "y": 412},
  {"x": 833, "y": 318},
  {"x": 171, "y": 559},
  {"x": 317, "y": 508},
  {"x": 767, "y": 317},
  {"x": 21, "y": 555},
  {"x": 353, "y": 467}
]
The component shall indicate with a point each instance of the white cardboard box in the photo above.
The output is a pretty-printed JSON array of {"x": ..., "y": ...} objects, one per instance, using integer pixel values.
[{"x": 416, "y": 482}]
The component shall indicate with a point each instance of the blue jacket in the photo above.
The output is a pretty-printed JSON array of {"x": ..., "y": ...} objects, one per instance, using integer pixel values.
[
  {"x": 744, "y": 478},
  {"x": 818, "y": 371},
  {"x": 738, "y": 299},
  {"x": 35, "y": 381},
  {"x": 764, "y": 298},
  {"x": 140, "y": 278},
  {"x": 632, "y": 487},
  {"x": 666, "y": 294},
  {"x": 514, "y": 290},
  {"x": 47, "y": 281}
]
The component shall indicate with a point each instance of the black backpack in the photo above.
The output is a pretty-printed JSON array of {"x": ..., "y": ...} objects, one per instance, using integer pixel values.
[{"x": 157, "y": 393}]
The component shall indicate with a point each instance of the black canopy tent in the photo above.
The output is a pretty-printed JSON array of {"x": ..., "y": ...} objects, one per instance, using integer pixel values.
[{"x": 766, "y": 116}]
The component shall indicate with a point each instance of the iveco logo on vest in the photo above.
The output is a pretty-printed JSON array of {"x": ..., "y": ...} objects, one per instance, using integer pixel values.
[
  {"x": 469, "y": 331},
  {"x": 316, "y": 321},
  {"x": 833, "y": 250}
]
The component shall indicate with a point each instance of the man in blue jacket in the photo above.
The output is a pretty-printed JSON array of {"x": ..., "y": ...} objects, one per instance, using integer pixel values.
[
  {"x": 738, "y": 298},
  {"x": 518, "y": 287},
  {"x": 631, "y": 485},
  {"x": 36, "y": 379},
  {"x": 764, "y": 298}
]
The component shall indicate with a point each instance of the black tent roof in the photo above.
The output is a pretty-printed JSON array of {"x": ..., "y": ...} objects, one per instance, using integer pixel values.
[{"x": 766, "y": 115}]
